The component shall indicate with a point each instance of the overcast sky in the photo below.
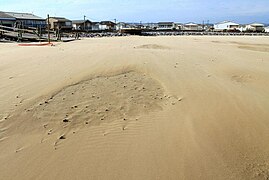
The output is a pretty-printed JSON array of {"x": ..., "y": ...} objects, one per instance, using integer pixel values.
[{"x": 242, "y": 11}]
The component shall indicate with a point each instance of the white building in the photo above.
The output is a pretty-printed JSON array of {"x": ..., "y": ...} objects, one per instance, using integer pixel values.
[
  {"x": 107, "y": 25},
  {"x": 95, "y": 26},
  {"x": 266, "y": 29},
  {"x": 81, "y": 25},
  {"x": 226, "y": 26},
  {"x": 255, "y": 27},
  {"x": 166, "y": 26},
  {"x": 151, "y": 26},
  {"x": 122, "y": 25},
  {"x": 192, "y": 27}
]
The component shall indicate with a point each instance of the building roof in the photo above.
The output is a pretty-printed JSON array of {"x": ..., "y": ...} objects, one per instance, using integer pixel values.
[
  {"x": 165, "y": 23},
  {"x": 228, "y": 22},
  {"x": 122, "y": 23},
  {"x": 95, "y": 23},
  {"x": 191, "y": 24},
  {"x": 23, "y": 16},
  {"x": 257, "y": 24},
  {"x": 60, "y": 19},
  {"x": 107, "y": 23},
  {"x": 3, "y": 15},
  {"x": 80, "y": 21}
]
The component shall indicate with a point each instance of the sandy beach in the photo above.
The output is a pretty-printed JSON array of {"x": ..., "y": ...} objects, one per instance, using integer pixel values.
[{"x": 141, "y": 108}]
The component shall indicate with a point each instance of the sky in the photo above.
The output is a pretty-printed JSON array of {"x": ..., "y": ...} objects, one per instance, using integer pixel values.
[{"x": 146, "y": 11}]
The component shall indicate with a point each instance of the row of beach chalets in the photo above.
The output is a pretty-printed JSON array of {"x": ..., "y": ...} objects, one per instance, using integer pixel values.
[{"x": 58, "y": 25}]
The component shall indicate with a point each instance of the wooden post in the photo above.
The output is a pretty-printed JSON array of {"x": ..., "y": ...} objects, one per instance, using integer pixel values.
[{"x": 48, "y": 28}]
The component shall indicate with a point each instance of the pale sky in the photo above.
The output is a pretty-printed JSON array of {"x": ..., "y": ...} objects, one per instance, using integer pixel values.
[{"x": 241, "y": 11}]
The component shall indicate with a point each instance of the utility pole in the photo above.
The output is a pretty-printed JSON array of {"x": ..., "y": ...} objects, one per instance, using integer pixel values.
[
  {"x": 48, "y": 28},
  {"x": 115, "y": 27},
  {"x": 84, "y": 23}
]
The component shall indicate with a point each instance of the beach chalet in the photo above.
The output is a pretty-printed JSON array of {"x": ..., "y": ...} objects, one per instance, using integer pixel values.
[
  {"x": 255, "y": 27},
  {"x": 60, "y": 23},
  {"x": 122, "y": 25},
  {"x": 95, "y": 26},
  {"x": 82, "y": 25},
  {"x": 6, "y": 20},
  {"x": 192, "y": 27},
  {"x": 179, "y": 26},
  {"x": 22, "y": 20},
  {"x": 107, "y": 26},
  {"x": 166, "y": 26},
  {"x": 151, "y": 26},
  {"x": 209, "y": 27},
  {"x": 226, "y": 26}
]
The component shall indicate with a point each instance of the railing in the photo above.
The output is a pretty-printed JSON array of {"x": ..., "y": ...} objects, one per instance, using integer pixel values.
[{"x": 20, "y": 34}]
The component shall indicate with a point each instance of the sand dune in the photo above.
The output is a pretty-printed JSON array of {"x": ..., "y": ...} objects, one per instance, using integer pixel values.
[{"x": 136, "y": 108}]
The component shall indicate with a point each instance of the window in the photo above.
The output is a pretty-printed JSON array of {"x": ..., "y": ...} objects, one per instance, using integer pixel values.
[{"x": 68, "y": 23}]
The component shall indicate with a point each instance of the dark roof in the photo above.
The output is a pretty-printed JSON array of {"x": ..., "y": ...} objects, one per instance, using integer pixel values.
[
  {"x": 95, "y": 23},
  {"x": 60, "y": 19},
  {"x": 80, "y": 21},
  {"x": 6, "y": 16},
  {"x": 107, "y": 23},
  {"x": 23, "y": 16}
]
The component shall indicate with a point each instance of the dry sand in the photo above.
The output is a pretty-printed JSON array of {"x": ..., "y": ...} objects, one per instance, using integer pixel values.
[{"x": 136, "y": 108}]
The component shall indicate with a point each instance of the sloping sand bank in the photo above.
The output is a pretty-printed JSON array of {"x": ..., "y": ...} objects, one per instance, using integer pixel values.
[{"x": 136, "y": 108}]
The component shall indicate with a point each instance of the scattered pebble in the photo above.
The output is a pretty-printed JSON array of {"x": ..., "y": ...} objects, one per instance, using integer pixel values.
[{"x": 62, "y": 137}]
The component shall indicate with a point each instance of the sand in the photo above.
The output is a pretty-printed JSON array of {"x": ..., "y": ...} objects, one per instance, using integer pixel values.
[{"x": 136, "y": 108}]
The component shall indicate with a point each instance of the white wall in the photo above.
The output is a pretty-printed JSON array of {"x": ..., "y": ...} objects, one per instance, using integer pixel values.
[{"x": 224, "y": 26}]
